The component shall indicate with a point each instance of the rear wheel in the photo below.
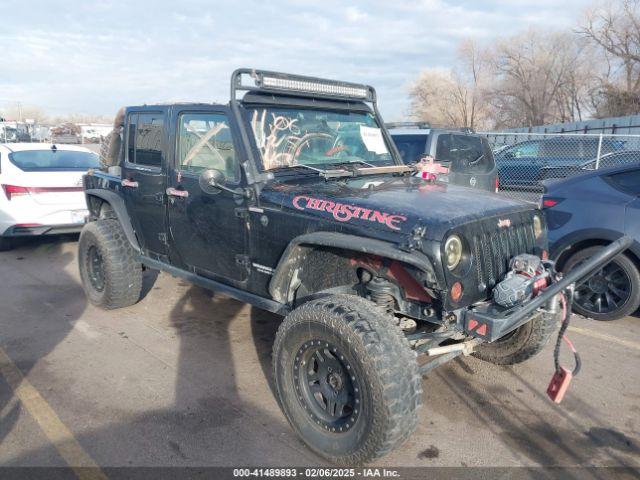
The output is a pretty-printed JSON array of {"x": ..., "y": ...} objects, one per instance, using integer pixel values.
[
  {"x": 111, "y": 275},
  {"x": 612, "y": 293},
  {"x": 346, "y": 379}
]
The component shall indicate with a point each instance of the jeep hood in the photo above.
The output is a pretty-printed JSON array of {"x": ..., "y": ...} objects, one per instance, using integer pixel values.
[{"x": 393, "y": 205}]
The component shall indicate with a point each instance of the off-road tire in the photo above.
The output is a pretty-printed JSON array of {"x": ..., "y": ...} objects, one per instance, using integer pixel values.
[
  {"x": 384, "y": 366},
  {"x": 521, "y": 344},
  {"x": 629, "y": 268},
  {"x": 121, "y": 272},
  {"x": 5, "y": 244}
]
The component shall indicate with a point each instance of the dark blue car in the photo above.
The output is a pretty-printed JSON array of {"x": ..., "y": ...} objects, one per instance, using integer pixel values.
[
  {"x": 586, "y": 212},
  {"x": 521, "y": 165}
]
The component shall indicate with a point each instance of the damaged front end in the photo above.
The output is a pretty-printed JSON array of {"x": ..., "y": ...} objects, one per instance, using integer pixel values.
[
  {"x": 531, "y": 288},
  {"x": 500, "y": 320}
]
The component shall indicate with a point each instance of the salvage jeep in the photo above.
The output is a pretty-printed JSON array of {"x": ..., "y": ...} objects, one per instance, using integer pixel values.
[{"x": 294, "y": 199}]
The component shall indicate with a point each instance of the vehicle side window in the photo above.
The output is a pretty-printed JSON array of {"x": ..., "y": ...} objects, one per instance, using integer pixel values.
[
  {"x": 132, "y": 121},
  {"x": 443, "y": 147},
  {"x": 205, "y": 142},
  {"x": 588, "y": 147},
  {"x": 148, "y": 140},
  {"x": 411, "y": 147},
  {"x": 628, "y": 182},
  {"x": 525, "y": 150},
  {"x": 562, "y": 148},
  {"x": 609, "y": 146}
]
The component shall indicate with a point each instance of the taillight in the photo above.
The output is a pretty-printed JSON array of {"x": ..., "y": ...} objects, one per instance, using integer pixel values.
[
  {"x": 497, "y": 183},
  {"x": 14, "y": 191},
  {"x": 550, "y": 202}
]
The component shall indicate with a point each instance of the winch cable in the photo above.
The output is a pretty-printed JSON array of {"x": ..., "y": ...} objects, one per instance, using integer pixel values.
[{"x": 566, "y": 318}]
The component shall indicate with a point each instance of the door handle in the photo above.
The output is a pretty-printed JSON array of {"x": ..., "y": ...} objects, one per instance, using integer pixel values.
[
  {"x": 174, "y": 192},
  {"x": 129, "y": 183}
]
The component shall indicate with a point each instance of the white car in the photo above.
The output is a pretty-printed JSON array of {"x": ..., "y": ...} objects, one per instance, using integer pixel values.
[{"x": 41, "y": 189}]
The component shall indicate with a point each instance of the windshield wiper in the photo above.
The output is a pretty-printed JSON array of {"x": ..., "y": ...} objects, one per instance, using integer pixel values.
[
  {"x": 386, "y": 169},
  {"x": 325, "y": 173},
  {"x": 371, "y": 169},
  {"x": 347, "y": 162}
]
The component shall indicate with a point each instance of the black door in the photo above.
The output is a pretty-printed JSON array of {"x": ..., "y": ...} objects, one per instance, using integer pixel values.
[
  {"x": 208, "y": 230},
  {"x": 144, "y": 180}
]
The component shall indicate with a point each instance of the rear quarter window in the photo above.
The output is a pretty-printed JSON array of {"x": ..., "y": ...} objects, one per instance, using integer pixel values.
[
  {"x": 628, "y": 182},
  {"x": 145, "y": 138},
  {"x": 53, "y": 160}
]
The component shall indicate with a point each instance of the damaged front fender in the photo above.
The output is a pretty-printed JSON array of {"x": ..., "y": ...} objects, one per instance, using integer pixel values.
[{"x": 282, "y": 285}]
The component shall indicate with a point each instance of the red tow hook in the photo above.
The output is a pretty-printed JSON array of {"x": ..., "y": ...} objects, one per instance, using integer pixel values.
[{"x": 562, "y": 376}]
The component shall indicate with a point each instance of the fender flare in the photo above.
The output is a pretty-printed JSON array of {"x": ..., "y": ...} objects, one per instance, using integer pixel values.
[
  {"x": 117, "y": 203},
  {"x": 279, "y": 286},
  {"x": 562, "y": 247}
]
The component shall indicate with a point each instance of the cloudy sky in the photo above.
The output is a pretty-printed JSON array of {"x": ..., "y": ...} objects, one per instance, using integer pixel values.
[{"x": 92, "y": 56}]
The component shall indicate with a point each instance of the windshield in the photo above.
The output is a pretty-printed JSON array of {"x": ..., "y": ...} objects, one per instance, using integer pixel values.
[
  {"x": 287, "y": 137},
  {"x": 46, "y": 160}
]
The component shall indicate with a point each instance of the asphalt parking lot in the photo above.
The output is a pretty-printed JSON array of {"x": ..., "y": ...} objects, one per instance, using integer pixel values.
[{"x": 183, "y": 378}]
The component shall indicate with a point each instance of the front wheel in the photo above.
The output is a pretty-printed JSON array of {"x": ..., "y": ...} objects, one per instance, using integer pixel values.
[
  {"x": 521, "y": 344},
  {"x": 346, "y": 379}
]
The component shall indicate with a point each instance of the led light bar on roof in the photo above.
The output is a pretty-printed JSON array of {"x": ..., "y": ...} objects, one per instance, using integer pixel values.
[
  {"x": 319, "y": 87},
  {"x": 299, "y": 85}
]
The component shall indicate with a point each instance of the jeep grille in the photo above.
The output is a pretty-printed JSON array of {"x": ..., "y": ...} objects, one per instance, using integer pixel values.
[{"x": 493, "y": 251}]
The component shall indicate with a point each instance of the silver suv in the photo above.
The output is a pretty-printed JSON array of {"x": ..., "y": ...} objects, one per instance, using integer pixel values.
[{"x": 468, "y": 155}]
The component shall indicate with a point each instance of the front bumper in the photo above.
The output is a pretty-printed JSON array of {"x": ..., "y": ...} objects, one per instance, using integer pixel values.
[{"x": 490, "y": 322}]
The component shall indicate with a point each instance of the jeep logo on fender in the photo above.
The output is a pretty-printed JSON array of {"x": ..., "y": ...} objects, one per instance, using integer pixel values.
[{"x": 344, "y": 213}]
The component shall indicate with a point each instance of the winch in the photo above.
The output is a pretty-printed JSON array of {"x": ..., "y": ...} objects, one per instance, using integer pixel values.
[{"x": 526, "y": 277}]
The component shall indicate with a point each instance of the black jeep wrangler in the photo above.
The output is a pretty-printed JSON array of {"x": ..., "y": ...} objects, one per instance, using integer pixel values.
[{"x": 295, "y": 200}]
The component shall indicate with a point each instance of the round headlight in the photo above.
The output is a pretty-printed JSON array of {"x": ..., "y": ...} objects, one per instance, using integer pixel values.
[
  {"x": 537, "y": 226},
  {"x": 453, "y": 251}
]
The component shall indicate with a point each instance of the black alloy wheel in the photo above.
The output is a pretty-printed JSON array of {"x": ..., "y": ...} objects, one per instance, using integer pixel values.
[
  {"x": 326, "y": 386},
  {"x": 95, "y": 268},
  {"x": 613, "y": 292},
  {"x": 346, "y": 379},
  {"x": 606, "y": 291}
]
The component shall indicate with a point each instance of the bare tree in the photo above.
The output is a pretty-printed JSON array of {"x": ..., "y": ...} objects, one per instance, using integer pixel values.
[
  {"x": 540, "y": 77},
  {"x": 615, "y": 28},
  {"x": 574, "y": 101},
  {"x": 535, "y": 79},
  {"x": 453, "y": 97}
]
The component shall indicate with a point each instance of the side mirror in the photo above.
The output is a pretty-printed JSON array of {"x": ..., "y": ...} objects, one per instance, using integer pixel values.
[{"x": 212, "y": 181}]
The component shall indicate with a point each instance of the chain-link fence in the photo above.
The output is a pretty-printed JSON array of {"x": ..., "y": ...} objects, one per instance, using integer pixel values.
[{"x": 525, "y": 160}]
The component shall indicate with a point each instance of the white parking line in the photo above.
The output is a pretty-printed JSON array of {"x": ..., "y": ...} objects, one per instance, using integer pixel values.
[{"x": 606, "y": 338}]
